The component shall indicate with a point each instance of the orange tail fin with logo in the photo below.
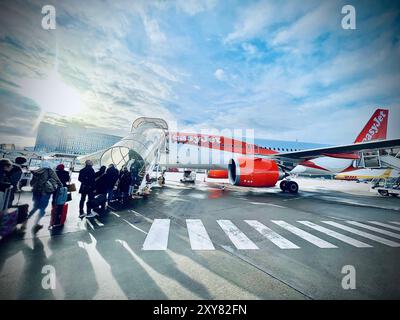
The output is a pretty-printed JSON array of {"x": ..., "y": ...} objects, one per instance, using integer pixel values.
[{"x": 376, "y": 127}]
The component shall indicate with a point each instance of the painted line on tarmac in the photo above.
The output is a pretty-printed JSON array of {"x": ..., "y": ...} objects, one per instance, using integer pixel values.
[
  {"x": 304, "y": 235},
  {"x": 385, "y": 225},
  {"x": 90, "y": 224},
  {"x": 115, "y": 214},
  {"x": 134, "y": 227},
  {"x": 365, "y": 226},
  {"x": 271, "y": 235},
  {"x": 198, "y": 236},
  {"x": 142, "y": 216},
  {"x": 363, "y": 234},
  {"x": 336, "y": 235},
  {"x": 276, "y": 206},
  {"x": 98, "y": 223},
  {"x": 291, "y": 199},
  {"x": 359, "y": 204},
  {"x": 238, "y": 238},
  {"x": 157, "y": 238},
  {"x": 266, "y": 204}
]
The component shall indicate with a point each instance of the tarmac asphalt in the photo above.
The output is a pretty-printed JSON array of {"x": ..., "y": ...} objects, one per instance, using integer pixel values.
[{"x": 201, "y": 241}]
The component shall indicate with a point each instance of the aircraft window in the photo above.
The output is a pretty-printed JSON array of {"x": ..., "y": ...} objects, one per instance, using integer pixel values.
[{"x": 279, "y": 149}]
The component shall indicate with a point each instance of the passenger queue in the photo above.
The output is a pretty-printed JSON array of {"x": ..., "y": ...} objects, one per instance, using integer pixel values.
[{"x": 97, "y": 191}]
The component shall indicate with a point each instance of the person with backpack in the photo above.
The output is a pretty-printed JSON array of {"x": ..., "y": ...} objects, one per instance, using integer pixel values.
[
  {"x": 87, "y": 179},
  {"x": 112, "y": 175},
  {"x": 44, "y": 183}
]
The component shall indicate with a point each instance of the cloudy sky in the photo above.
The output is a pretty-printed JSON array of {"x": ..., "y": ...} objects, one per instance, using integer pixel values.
[{"x": 286, "y": 69}]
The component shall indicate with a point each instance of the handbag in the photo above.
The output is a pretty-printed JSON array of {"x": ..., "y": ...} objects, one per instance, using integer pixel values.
[{"x": 71, "y": 187}]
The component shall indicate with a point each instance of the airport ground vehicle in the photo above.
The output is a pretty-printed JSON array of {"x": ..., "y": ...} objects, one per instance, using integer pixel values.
[
  {"x": 386, "y": 187},
  {"x": 189, "y": 176}
]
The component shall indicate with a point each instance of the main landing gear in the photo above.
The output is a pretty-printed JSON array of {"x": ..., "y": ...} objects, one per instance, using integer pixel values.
[{"x": 289, "y": 185}]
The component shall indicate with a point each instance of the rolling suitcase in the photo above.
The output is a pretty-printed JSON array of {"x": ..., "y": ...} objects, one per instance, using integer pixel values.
[{"x": 58, "y": 215}]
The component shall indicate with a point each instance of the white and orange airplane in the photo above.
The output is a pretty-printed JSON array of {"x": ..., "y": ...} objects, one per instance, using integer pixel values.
[{"x": 257, "y": 163}]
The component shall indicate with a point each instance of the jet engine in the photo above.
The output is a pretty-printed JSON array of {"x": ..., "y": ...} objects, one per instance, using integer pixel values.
[
  {"x": 217, "y": 174},
  {"x": 249, "y": 172}
]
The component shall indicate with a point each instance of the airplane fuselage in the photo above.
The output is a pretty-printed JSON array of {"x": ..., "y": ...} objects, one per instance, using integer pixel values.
[{"x": 201, "y": 151}]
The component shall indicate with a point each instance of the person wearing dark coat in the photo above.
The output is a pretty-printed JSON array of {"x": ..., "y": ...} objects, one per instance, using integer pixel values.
[
  {"x": 44, "y": 183},
  {"x": 15, "y": 176},
  {"x": 112, "y": 175},
  {"x": 100, "y": 189},
  {"x": 125, "y": 179},
  {"x": 101, "y": 181},
  {"x": 62, "y": 174},
  {"x": 88, "y": 183}
]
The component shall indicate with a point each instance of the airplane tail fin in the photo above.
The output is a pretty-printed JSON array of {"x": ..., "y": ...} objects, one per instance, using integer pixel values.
[{"x": 376, "y": 127}]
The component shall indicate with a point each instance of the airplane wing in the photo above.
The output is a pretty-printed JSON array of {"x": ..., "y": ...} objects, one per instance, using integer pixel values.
[{"x": 336, "y": 151}]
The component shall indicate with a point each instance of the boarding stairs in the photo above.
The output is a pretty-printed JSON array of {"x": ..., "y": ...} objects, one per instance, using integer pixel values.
[
  {"x": 148, "y": 169},
  {"x": 391, "y": 161},
  {"x": 369, "y": 160},
  {"x": 376, "y": 160}
]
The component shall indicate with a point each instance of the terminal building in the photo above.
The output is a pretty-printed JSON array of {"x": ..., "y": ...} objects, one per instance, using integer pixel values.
[{"x": 71, "y": 140}]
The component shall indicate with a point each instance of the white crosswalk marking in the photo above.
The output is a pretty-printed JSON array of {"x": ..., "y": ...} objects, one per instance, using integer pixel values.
[
  {"x": 365, "y": 226},
  {"x": 271, "y": 235},
  {"x": 115, "y": 214},
  {"x": 198, "y": 236},
  {"x": 237, "y": 237},
  {"x": 395, "y": 222},
  {"x": 385, "y": 225},
  {"x": 98, "y": 223},
  {"x": 157, "y": 238},
  {"x": 363, "y": 234},
  {"x": 304, "y": 235},
  {"x": 336, "y": 235}
]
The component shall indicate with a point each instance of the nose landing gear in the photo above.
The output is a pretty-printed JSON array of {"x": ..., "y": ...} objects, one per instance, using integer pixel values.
[{"x": 289, "y": 185}]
